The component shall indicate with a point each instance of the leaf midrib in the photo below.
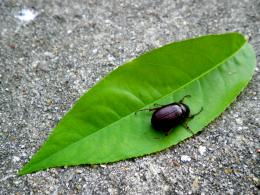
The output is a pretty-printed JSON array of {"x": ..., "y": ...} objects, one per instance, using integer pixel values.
[{"x": 197, "y": 78}]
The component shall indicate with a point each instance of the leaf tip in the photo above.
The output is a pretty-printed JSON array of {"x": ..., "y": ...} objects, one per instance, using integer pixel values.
[
  {"x": 25, "y": 170},
  {"x": 22, "y": 172}
]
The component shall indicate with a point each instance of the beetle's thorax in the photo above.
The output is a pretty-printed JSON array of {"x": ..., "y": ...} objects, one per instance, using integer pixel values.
[{"x": 185, "y": 109}]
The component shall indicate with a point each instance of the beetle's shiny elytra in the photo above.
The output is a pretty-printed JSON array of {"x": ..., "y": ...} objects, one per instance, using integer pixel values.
[
  {"x": 166, "y": 117},
  {"x": 169, "y": 116}
]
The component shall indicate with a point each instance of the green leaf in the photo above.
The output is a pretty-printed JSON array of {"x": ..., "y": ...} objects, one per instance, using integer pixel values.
[{"x": 104, "y": 125}]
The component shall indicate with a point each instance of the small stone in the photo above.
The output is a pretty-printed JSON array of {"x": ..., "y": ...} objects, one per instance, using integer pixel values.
[
  {"x": 94, "y": 51},
  {"x": 229, "y": 171},
  {"x": 16, "y": 182},
  {"x": 239, "y": 121},
  {"x": 35, "y": 64},
  {"x": 49, "y": 102},
  {"x": 78, "y": 171},
  {"x": 26, "y": 15},
  {"x": 48, "y": 54},
  {"x": 16, "y": 158},
  {"x": 111, "y": 58},
  {"x": 175, "y": 163},
  {"x": 256, "y": 180},
  {"x": 185, "y": 158},
  {"x": 195, "y": 184},
  {"x": 202, "y": 150}
]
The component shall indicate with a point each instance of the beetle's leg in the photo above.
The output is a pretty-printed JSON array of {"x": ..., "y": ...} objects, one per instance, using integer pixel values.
[
  {"x": 181, "y": 101},
  {"x": 185, "y": 124},
  {"x": 168, "y": 132},
  {"x": 192, "y": 116},
  {"x": 187, "y": 127}
]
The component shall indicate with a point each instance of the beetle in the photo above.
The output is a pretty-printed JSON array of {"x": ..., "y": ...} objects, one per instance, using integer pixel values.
[{"x": 166, "y": 117}]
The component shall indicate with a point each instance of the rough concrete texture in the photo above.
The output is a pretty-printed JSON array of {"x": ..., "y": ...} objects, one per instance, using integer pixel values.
[{"x": 52, "y": 51}]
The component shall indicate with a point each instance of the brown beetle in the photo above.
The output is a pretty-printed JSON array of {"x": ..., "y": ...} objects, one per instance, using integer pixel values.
[{"x": 168, "y": 116}]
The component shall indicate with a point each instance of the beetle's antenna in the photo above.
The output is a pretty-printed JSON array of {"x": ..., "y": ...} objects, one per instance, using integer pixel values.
[
  {"x": 181, "y": 101},
  {"x": 185, "y": 125}
]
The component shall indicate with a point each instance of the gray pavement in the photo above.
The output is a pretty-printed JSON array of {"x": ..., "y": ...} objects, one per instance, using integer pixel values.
[{"x": 52, "y": 51}]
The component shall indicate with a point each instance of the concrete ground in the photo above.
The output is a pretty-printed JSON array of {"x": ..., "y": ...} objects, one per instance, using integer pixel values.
[{"x": 52, "y": 51}]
